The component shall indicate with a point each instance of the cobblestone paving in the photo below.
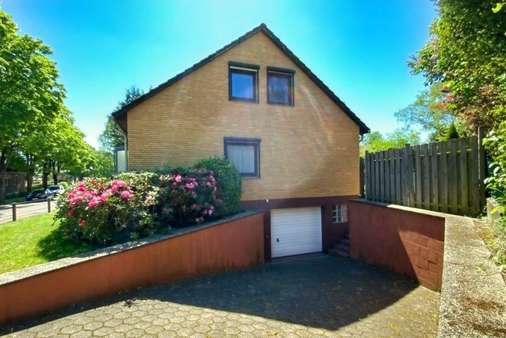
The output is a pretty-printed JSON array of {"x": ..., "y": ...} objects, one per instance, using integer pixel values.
[{"x": 296, "y": 297}]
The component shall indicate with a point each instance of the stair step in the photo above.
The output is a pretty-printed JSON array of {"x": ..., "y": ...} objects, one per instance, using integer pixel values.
[
  {"x": 333, "y": 252},
  {"x": 340, "y": 248},
  {"x": 343, "y": 253}
]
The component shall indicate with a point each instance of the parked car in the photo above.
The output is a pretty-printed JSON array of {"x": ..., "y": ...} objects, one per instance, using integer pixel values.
[
  {"x": 55, "y": 190},
  {"x": 38, "y": 195}
]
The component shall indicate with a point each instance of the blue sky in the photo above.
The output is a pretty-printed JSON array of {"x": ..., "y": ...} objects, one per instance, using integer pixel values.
[{"x": 359, "y": 49}]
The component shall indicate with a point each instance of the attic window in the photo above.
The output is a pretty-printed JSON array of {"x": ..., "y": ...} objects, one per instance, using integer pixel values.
[
  {"x": 243, "y": 82},
  {"x": 280, "y": 86}
]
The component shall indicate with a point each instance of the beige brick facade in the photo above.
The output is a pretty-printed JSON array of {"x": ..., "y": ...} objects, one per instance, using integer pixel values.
[{"x": 308, "y": 150}]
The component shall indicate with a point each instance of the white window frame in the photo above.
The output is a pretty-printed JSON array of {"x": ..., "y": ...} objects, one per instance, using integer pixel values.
[{"x": 340, "y": 214}]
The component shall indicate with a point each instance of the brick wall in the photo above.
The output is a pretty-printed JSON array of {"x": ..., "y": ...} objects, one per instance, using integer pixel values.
[
  {"x": 406, "y": 240},
  {"x": 229, "y": 244},
  {"x": 308, "y": 150}
]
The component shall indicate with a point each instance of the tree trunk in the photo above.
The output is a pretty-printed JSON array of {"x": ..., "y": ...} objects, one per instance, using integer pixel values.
[
  {"x": 29, "y": 181},
  {"x": 45, "y": 174},
  {"x": 30, "y": 170},
  {"x": 56, "y": 170}
]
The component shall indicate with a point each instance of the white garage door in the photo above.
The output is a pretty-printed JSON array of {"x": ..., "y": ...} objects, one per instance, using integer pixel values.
[{"x": 295, "y": 231}]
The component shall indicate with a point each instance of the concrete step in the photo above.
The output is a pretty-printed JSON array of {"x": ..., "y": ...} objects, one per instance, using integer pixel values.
[
  {"x": 343, "y": 253},
  {"x": 336, "y": 251}
]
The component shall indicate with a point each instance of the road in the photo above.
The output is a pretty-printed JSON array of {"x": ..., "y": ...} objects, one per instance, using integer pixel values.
[{"x": 24, "y": 210}]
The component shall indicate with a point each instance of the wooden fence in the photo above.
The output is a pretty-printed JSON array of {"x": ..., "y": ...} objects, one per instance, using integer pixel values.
[{"x": 444, "y": 176}]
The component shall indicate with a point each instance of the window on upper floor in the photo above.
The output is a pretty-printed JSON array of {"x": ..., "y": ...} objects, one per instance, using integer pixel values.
[
  {"x": 280, "y": 86},
  {"x": 243, "y": 82},
  {"x": 244, "y": 153}
]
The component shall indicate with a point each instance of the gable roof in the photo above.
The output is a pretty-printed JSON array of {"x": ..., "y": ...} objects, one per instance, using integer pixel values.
[{"x": 119, "y": 115}]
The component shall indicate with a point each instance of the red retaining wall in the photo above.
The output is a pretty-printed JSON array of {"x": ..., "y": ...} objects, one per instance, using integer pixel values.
[
  {"x": 406, "y": 240},
  {"x": 233, "y": 244}
]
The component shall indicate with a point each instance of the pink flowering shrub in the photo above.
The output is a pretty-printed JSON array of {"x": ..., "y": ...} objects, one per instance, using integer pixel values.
[
  {"x": 187, "y": 197},
  {"x": 104, "y": 211},
  {"x": 134, "y": 205}
]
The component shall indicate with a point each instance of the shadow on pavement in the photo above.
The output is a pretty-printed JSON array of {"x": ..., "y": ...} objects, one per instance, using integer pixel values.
[{"x": 315, "y": 290}]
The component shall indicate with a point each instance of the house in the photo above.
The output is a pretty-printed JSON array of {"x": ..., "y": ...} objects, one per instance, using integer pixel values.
[{"x": 253, "y": 101}]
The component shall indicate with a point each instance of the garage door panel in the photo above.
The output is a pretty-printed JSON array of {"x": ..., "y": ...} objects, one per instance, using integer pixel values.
[{"x": 295, "y": 231}]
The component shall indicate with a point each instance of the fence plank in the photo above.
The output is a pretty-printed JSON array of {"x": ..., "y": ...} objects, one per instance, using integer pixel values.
[
  {"x": 425, "y": 176},
  {"x": 404, "y": 170},
  {"x": 386, "y": 176},
  {"x": 464, "y": 181},
  {"x": 375, "y": 175},
  {"x": 392, "y": 175},
  {"x": 418, "y": 177},
  {"x": 443, "y": 177},
  {"x": 452, "y": 177},
  {"x": 381, "y": 175},
  {"x": 434, "y": 161},
  {"x": 474, "y": 186},
  {"x": 398, "y": 176}
]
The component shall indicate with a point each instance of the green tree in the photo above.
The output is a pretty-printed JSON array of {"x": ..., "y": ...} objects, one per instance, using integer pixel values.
[
  {"x": 375, "y": 141},
  {"x": 430, "y": 114},
  {"x": 30, "y": 95},
  {"x": 112, "y": 137},
  {"x": 451, "y": 132},
  {"x": 466, "y": 52}
]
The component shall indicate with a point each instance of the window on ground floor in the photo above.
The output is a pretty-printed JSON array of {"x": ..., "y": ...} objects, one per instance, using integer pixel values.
[
  {"x": 244, "y": 153},
  {"x": 340, "y": 214}
]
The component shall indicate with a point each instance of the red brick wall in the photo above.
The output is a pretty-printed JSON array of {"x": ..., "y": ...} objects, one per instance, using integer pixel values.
[
  {"x": 234, "y": 244},
  {"x": 408, "y": 241}
]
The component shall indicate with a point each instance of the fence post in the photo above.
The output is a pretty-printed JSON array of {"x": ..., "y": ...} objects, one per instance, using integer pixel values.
[
  {"x": 482, "y": 170},
  {"x": 362, "y": 176},
  {"x": 49, "y": 205},
  {"x": 13, "y": 212}
]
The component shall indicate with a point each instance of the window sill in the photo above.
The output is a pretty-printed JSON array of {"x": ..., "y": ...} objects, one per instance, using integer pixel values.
[
  {"x": 243, "y": 100},
  {"x": 250, "y": 177},
  {"x": 281, "y": 104}
]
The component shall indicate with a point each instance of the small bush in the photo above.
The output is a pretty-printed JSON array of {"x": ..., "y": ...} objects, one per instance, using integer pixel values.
[
  {"x": 228, "y": 184},
  {"x": 103, "y": 211},
  {"x": 187, "y": 198}
]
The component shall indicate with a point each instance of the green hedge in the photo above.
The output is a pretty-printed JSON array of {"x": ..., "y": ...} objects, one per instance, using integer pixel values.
[{"x": 228, "y": 182}]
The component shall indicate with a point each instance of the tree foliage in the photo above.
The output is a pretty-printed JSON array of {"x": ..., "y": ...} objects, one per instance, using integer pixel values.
[
  {"x": 430, "y": 115},
  {"x": 112, "y": 137},
  {"x": 466, "y": 52},
  {"x": 375, "y": 141},
  {"x": 37, "y": 132}
]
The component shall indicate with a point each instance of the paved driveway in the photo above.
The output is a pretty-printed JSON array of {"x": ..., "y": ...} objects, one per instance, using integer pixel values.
[{"x": 304, "y": 296}]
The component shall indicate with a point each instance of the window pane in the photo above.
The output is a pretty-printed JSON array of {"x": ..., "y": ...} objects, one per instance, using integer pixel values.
[
  {"x": 279, "y": 88},
  {"x": 243, "y": 85},
  {"x": 243, "y": 157}
]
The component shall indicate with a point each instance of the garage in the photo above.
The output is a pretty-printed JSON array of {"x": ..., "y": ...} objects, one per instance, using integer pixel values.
[{"x": 296, "y": 231}]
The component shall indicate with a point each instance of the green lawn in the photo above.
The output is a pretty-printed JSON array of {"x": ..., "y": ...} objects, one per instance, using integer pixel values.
[{"x": 34, "y": 240}]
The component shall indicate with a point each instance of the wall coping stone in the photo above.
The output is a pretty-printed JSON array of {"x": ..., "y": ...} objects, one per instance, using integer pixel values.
[
  {"x": 15, "y": 276},
  {"x": 410, "y": 209},
  {"x": 473, "y": 295}
]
